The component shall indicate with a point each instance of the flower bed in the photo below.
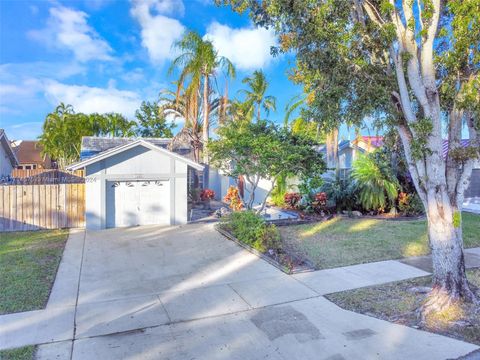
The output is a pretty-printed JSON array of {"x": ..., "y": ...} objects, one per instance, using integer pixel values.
[{"x": 254, "y": 234}]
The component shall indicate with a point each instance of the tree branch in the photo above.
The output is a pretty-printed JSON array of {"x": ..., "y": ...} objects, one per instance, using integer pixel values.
[
  {"x": 404, "y": 97},
  {"x": 426, "y": 55},
  {"x": 372, "y": 13}
]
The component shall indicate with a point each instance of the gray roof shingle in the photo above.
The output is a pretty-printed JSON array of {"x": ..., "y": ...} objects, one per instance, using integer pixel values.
[{"x": 92, "y": 145}]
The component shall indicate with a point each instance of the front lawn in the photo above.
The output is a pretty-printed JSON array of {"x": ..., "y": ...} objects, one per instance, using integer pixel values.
[
  {"x": 344, "y": 241},
  {"x": 397, "y": 302},
  {"x": 28, "y": 265},
  {"x": 23, "y": 353}
]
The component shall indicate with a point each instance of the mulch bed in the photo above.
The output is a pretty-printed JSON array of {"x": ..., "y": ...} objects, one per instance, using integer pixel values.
[
  {"x": 388, "y": 217},
  {"x": 284, "y": 260}
]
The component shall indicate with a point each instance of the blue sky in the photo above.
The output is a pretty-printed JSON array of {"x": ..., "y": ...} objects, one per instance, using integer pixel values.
[{"x": 105, "y": 55}]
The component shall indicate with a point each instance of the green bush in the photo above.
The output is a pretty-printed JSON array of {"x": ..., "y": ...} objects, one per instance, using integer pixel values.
[
  {"x": 378, "y": 186},
  {"x": 410, "y": 204},
  {"x": 252, "y": 230},
  {"x": 278, "y": 192},
  {"x": 342, "y": 194}
]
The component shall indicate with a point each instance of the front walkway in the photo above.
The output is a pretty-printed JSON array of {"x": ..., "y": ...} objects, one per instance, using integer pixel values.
[
  {"x": 472, "y": 205},
  {"x": 186, "y": 292}
]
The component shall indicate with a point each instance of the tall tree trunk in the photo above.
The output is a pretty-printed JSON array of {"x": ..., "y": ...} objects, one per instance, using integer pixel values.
[
  {"x": 445, "y": 238},
  {"x": 206, "y": 124},
  {"x": 258, "y": 112},
  {"x": 206, "y": 128},
  {"x": 332, "y": 151}
]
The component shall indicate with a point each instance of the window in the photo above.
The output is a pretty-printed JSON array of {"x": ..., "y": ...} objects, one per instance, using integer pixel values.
[{"x": 27, "y": 167}]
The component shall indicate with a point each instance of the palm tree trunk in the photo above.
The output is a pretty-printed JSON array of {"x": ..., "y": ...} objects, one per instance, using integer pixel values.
[
  {"x": 258, "y": 112},
  {"x": 206, "y": 126},
  {"x": 332, "y": 151}
]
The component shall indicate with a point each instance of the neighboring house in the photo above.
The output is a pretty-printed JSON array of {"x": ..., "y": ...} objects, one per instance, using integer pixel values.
[
  {"x": 473, "y": 189},
  {"x": 8, "y": 160},
  {"x": 133, "y": 182},
  {"x": 348, "y": 151},
  {"x": 29, "y": 155}
]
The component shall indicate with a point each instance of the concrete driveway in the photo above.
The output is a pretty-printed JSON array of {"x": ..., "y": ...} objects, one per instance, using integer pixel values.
[{"x": 188, "y": 293}]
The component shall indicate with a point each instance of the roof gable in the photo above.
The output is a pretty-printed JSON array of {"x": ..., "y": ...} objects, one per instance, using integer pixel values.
[
  {"x": 5, "y": 143},
  {"x": 128, "y": 146},
  {"x": 30, "y": 152}
]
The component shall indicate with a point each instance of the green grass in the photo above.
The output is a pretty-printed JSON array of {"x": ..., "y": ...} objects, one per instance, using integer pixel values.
[
  {"x": 28, "y": 265},
  {"x": 395, "y": 303},
  {"x": 343, "y": 241},
  {"x": 23, "y": 353}
]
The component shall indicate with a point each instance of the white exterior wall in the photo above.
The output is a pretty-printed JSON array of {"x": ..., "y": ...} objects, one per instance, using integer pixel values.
[
  {"x": 5, "y": 164},
  {"x": 138, "y": 163},
  {"x": 263, "y": 187},
  {"x": 219, "y": 183}
]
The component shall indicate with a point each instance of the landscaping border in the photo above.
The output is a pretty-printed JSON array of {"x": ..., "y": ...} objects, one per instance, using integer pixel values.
[
  {"x": 311, "y": 266},
  {"x": 288, "y": 222}
]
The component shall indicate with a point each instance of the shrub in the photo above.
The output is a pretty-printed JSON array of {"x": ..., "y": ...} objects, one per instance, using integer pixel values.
[
  {"x": 309, "y": 185},
  {"x": 267, "y": 238},
  {"x": 292, "y": 199},
  {"x": 207, "y": 194},
  {"x": 233, "y": 199},
  {"x": 194, "y": 195},
  {"x": 410, "y": 204},
  {"x": 342, "y": 194},
  {"x": 377, "y": 185},
  {"x": 278, "y": 192},
  {"x": 252, "y": 230},
  {"x": 319, "y": 202}
]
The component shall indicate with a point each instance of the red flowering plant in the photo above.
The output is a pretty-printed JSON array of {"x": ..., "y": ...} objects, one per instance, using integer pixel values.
[
  {"x": 207, "y": 194},
  {"x": 292, "y": 199},
  {"x": 319, "y": 202}
]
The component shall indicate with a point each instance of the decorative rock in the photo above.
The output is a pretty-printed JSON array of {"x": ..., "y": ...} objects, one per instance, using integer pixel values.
[
  {"x": 356, "y": 213},
  {"x": 223, "y": 211}
]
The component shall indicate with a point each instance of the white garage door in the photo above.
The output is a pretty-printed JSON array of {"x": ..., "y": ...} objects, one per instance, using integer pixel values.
[{"x": 131, "y": 203}]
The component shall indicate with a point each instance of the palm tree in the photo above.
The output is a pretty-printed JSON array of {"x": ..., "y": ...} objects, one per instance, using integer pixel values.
[
  {"x": 187, "y": 107},
  {"x": 62, "y": 132},
  {"x": 199, "y": 62},
  {"x": 256, "y": 94}
]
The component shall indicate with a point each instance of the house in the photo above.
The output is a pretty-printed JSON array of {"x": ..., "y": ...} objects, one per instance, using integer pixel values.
[
  {"x": 8, "y": 160},
  {"x": 473, "y": 189},
  {"x": 29, "y": 155},
  {"x": 133, "y": 182},
  {"x": 348, "y": 151}
]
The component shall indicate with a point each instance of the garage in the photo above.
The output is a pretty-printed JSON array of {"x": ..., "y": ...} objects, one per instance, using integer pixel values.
[
  {"x": 473, "y": 189},
  {"x": 133, "y": 203},
  {"x": 138, "y": 182}
]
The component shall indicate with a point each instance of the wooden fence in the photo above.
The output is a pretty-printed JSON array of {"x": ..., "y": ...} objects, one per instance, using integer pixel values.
[
  {"x": 23, "y": 173},
  {"x": 33, "y": 207}
]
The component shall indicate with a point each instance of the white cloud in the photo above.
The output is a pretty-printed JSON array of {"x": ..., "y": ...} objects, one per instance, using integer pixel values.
[
  {"x": 89, "y": 99},
  {"x": 246, "y": 48},
  {"x": 12, "y": 72},
  {"x": 134, "y": 76},
  {"x": 159, "y": 32},
  {"x": 68, "y": 29}
]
